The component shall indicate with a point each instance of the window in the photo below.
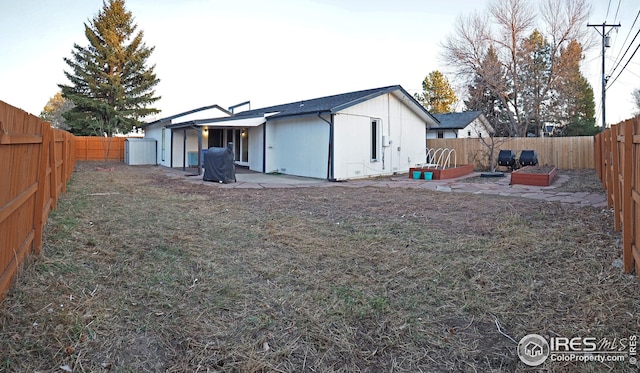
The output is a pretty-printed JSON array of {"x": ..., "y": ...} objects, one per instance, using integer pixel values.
[
  {"x": 469, "y": 133},
  {"x": 375, "y": 141},
  {"x": 441, "y": 134},
  {"x": 216, "y": 138}
]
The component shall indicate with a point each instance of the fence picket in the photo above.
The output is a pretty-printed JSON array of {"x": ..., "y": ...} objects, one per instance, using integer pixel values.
[
  {"x": 93, "y": 148},
  {"x": 562, "y": 152},
  {"x": 30, "y": 187},
  {"x": 619, "y": 163}
]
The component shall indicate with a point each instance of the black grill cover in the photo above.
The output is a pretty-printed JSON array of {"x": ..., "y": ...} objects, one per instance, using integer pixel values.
[
  {"x": 219, "y": 166},
  {"x": 507, "y": 158},
  {"x": 528, "y": 158}
]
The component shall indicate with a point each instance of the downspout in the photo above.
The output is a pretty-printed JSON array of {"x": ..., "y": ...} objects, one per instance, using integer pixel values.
[
  {"x": 264, "y": 147},
  {"x": 171, "y": 149},
  {"x": 389, "y": 141},
  {"x": 330, "y": 160},
  {"x": 384, "y": 148}
]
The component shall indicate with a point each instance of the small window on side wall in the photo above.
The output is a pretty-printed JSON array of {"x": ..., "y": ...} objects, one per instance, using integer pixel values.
[
  {"x": 375, "y": 140},
  {"x": 441, "y": 134}
]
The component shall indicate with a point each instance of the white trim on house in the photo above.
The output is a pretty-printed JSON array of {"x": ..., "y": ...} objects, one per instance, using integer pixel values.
[{"x": 236, "y": 122}]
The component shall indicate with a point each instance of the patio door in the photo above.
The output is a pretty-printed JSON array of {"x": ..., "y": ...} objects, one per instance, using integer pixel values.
[
  {"x": 241, "y": 146},
  {"x": 239, "y": 139}
]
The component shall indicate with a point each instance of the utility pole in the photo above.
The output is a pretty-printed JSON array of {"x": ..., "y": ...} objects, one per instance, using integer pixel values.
[{"x": 605, "y": 44}]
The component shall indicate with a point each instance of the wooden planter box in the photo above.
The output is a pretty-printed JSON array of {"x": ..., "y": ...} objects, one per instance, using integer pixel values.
[
  {"x": 447, "y": 173},
  {"x": 534, "y": 175}
]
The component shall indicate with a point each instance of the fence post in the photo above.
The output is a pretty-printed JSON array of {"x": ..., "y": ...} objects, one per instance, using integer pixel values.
[
  {"x": 595, "y": 155},
  {"x": 615, "y": 175},
  {"x": 53, "y": 164},
  {"x": 38, "y": 215},
  {"x": 65, "y": 162},
  {"x": 72, "y": 155},
  {"x": 602, "y": 155},
  {"x": 607, "y": 167},
  {"x": 627, "y": 175}
]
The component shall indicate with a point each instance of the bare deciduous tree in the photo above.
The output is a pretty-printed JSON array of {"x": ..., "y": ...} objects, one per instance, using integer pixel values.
[{"x": 505, "y": 26}]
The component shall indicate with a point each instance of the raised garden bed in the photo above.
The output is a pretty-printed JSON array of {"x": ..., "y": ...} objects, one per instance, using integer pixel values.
[
  {"x": 447, "y": 173},
  {"x": 534, "y": 175}
]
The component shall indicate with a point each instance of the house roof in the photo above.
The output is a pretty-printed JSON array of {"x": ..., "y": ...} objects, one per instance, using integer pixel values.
[
  {"x": 329, "y": 104},
  {"x": 456, "y": 121},
  {"x": 170, "y": 118}
]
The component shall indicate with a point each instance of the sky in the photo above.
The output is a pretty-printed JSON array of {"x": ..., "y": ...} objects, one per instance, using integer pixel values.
[{"x": 273, "y": 52}]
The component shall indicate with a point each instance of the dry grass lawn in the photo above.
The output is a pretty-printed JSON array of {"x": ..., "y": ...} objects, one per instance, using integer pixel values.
[{"x": 142, "y": 273}]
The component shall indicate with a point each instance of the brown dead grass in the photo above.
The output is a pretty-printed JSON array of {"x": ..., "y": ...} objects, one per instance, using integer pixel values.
[{"x": 145, "y": 273}]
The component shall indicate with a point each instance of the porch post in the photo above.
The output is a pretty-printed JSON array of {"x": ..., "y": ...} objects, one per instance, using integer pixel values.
[
  {"x": 184, "y": 150},
  {"x": 200, "y": 151}
]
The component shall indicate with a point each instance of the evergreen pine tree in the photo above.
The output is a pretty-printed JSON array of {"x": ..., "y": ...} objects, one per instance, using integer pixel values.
[
  {"x": 111, "y": 85},
  {"x": 437, "y": 95},
  {"x": 535, "y": 71}
]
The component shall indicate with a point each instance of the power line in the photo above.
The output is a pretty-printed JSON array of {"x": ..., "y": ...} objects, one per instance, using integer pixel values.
[
  {"x": 623, "y": 44},
  {"x": 617, "y": 9},
  {"x": 615, "y": 19},
  {"x": 632, "y": 73},
  {"x": 608, "y": 7},
  {"x": 625, "y": 65}
]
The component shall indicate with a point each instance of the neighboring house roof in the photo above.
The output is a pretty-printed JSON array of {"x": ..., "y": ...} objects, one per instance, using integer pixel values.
[
  {"x": 167, "y": 119},
  {"x": 328, "y": 104},
  {"x": 456, "y": 121}
]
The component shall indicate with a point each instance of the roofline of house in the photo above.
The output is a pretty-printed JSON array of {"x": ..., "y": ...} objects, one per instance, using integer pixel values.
[
  {"x": 458, "y": 127},
  {"x": 385, "y": 90},
  {"x": 333, "y": 110},
  {"x": 238, "y": 105},
  {"x": 192, "y": 111},
  {"x": 200, "y": 122}
]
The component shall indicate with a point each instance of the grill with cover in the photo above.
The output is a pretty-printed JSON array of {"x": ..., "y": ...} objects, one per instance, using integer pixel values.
[
  {"x": 507, "y": 158},
  {"x": 528, "y": 158},
  {"x": 219, "y": 166}
]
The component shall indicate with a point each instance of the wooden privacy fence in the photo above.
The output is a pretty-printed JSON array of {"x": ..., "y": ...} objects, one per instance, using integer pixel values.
[
  {"x": 562, "y": 152},
  {"x": 617, "y": 159},
  {"x": 36, "y": 161},
  {"x": 95, "y": 148}
]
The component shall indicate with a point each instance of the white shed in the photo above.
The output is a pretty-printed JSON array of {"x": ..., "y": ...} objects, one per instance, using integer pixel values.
[{"x": 140, "y": 151}]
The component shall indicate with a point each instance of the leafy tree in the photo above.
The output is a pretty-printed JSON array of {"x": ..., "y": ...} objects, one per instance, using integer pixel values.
[
  {"x": 53, "y": 110},
  {"x": 580, "y": 120},
  {"x": 437, "y": 95},
  {"x": 110, "y": 80},
  {"x": 574, "y": 105}
]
